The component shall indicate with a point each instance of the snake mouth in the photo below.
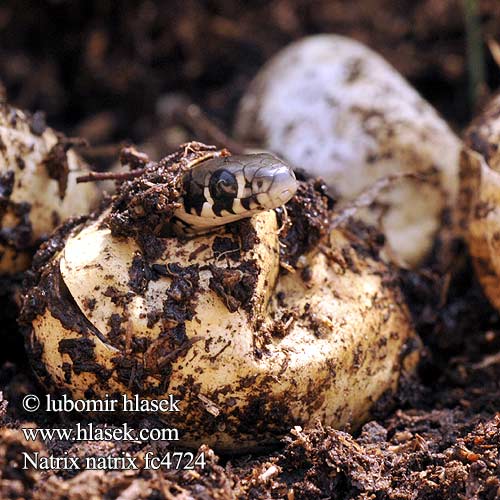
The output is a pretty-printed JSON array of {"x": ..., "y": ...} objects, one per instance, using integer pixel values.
[
  {"x": 286, "y": 195},
  {"x": 283, "y": 187}
]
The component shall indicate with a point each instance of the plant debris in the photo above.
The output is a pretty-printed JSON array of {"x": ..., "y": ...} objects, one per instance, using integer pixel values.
[
  {"x": 146, "y": 202},
  {"x": 305, "y": 222}
]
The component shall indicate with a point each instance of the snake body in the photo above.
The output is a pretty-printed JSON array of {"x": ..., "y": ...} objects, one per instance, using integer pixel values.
[{"x": 224, "y": 189}]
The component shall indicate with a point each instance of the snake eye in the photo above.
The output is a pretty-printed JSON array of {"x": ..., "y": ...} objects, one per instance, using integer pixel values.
[{"x": 223, "y": 184}]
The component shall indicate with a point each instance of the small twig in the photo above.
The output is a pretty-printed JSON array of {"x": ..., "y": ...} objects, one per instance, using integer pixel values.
[
  {"x": 369, "y": 195},
  {"x": 494, "y": 47},
  {"x": 287, "y": 267},
  {"x": 445, "y": 288},
  {"x": 269, "y": 473},
  {"x": 492, "y": 359},
  {"x": 209, "y": 405},
  {"x": 113, "y": 176},
  {"x": 285, "y": 220},
  {"x": 104, "y": 151}
]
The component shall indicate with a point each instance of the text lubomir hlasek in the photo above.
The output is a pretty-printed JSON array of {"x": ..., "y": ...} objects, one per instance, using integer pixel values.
[{"x": 124, "y": 403}]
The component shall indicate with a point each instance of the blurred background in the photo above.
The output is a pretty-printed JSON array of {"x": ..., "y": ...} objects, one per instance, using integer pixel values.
[{"x": 98, "y": 67}]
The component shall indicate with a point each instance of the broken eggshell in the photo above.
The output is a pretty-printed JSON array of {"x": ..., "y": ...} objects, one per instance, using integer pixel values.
[
  {"x": 337, "y": 110},
  {"x": 250, "y": 349},
  {"x": 38, "y": 189}
]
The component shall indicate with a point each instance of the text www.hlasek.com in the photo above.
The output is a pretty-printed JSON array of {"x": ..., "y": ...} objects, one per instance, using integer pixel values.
[{"x": 90, "y": 432}]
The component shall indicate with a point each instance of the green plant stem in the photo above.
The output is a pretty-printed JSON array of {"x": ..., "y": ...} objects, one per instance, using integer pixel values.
[{"x": 475, "y": 54}]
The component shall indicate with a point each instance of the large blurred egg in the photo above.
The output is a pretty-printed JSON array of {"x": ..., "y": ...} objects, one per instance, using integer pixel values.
[{"x": 336, "y": 109}]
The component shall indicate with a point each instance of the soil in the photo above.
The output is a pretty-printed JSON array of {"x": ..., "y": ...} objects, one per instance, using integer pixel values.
[{"x": 107, "y": 72}]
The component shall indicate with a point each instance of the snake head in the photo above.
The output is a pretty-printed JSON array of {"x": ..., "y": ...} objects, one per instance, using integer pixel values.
[
  {"x": 225, "y": 189},
  {"x": 272, "y": 186}
]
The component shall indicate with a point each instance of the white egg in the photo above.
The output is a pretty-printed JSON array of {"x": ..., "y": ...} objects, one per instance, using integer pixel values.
[
  {"x": 31, "y": 203},
  {"x": 338, "y": 110}
]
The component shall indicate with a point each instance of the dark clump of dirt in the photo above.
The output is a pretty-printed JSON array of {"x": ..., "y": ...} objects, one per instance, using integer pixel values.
[
  {"x": 36, "y": 301},
  {"x": 182, "y": 294},
  {"x": 235, "y": 285},
  {"x": 20, "y": 236},
  {"x": 140, "y": 274},
  {"x": 146, "y": 202},
  {"x": 82, "y": 355},
  {"x": 56, "y": 161},
  {"x": 223, "y": 246},
  {"x": 305, "y": 222},
  {"x": 244, "y": 232}
]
